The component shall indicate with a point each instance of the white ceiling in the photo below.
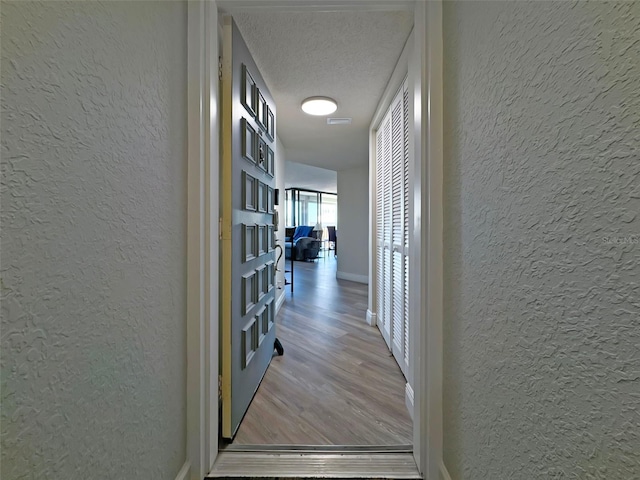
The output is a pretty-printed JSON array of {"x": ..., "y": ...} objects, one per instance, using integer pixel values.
[
  {"x": 346, "y": 55},
  {"x": 298, "y": 175}
]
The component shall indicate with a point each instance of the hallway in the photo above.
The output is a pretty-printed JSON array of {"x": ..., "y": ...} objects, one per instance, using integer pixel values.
[{"x": 337, "y": 383}]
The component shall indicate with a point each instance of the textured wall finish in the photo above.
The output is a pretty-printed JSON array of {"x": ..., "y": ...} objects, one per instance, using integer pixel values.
[
  {"x": 353, "y": 222},
  {"x": 93, "y": 240},
  {"x": 542, "y": 240}
]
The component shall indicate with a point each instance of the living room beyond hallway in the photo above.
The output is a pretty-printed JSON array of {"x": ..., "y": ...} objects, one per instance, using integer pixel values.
[{"x": 336, "y": 383}]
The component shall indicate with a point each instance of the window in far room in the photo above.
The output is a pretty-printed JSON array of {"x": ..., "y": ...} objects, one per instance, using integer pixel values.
[{"x": 306, "y": 207}]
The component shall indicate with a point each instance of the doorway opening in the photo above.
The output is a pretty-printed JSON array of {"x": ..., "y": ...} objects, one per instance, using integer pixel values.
[
  {"x": 337, "y": 383},
  {"x": 425, "y": 67}
]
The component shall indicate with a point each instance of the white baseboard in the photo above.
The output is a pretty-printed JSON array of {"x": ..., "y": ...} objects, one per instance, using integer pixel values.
[
  {"x": 372, "y": 318},
  {"x": 444, "y": 473},
  {"x": 408, "y": 399},
  {"x": 184, "y": 472},
  {"x": 353, "y": 277},
  {"x": 280, "y": 301}
]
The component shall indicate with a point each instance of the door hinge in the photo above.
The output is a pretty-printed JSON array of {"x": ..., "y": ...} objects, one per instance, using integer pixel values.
[
  {"x": 219, "y": 68},
  {"x": 220, "y": 228},
  {"x": 219, "y": 387}
]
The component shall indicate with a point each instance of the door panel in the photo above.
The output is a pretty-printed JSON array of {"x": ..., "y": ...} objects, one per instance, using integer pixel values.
[
  {"x": 380, "y": 273},
  {"x": 248, "y": 268},
  {"x": 386, "y": 238},
  {"x": 406, "y": 209},
  {"x": 392, "y": 224},
  {"x": 397, "y": 192}
]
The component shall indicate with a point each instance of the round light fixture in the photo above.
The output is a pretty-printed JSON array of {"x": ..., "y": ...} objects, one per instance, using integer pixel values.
[{"x": 319, "y": 105}]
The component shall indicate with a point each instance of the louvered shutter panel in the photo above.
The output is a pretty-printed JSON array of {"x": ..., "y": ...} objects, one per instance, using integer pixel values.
[
  {"x": 380, "y": 227},
  {"x": 405, "y": 105},
  {"x": 392, "y": 227},
  {"x": 386, "y": 162},
  {"x": 397, "y": 204}
]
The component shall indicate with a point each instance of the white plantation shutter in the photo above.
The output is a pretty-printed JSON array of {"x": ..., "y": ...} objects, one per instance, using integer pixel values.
[
  {"x": 397, "y": 206},
  {"x": 405, "y": 108},
  {"x": 379, "y": 227},
  {"x": 386, "y": 245},
  {"x": 392, "y": 227}
]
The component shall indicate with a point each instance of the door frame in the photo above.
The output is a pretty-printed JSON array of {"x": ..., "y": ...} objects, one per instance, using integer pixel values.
[
  {"x": 422, "y": 62},
  {"x": 428, "y": 231},
  {"x": 203, "y": 228},
  {"x": 203, "y": 207}
]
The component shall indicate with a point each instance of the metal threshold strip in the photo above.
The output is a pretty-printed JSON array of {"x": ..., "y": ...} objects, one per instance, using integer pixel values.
[
  {"x": 312, "y": 461},
  {"x": 319, "y": 448}
]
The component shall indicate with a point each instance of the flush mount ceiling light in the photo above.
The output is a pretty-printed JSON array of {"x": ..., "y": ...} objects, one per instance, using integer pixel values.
[{"x": 319, "y": 105}]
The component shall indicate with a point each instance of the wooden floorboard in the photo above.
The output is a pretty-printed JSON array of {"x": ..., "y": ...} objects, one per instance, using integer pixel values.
[{"x": 337, "y": 383}]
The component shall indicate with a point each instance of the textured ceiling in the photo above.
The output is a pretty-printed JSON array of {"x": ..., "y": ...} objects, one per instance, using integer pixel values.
[{"x": 348, "y": 56}]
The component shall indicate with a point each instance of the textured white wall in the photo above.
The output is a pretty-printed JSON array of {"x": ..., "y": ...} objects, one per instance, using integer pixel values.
[
  {"x": 353, "y": 222},
  {"x": 93, "y": 239},
  {"x": 542, "y": 307}
]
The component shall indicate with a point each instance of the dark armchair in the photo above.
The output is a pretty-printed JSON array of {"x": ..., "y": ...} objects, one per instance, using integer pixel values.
[{"x": 301, "y": 243}]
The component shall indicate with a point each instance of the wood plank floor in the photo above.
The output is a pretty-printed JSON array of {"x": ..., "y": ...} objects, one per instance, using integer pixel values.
[{"x": 337, "y": 383}]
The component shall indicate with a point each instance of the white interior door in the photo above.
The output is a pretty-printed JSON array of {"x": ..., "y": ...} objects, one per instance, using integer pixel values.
[
  {"x": 405, "y": 224},
  {"x": 392, "y": 236},
  {"x": 380, "y": 272},
  {"x": 383, "y": 217}
]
